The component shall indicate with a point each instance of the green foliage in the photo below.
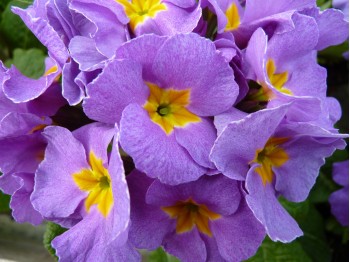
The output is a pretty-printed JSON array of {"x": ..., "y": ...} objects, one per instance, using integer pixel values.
[
  {"x": 312, "y": 246},
  {"x": 159, "y": 255},
  {"x": 30, "y": 62},
  {"x": 4, "y": 203},
  {"x": 52, "y": 230},
  {"x": 3, "y": 4},
  {"x": 333, "y": 53},
  {"x": 279, "y": 252},
  {"x": 314, "y": 241},
  {"x": 13, "y": 32},
  {"x": 323, "y": 4}
]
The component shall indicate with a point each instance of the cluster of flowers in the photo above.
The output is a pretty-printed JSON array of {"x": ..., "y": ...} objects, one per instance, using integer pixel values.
[{"x": 220, "y": 104}]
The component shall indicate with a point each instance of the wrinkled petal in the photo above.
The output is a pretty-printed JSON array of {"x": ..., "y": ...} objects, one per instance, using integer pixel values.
[{"x": 159, "y": 155}]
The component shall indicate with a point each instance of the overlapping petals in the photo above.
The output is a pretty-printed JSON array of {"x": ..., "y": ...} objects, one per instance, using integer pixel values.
[
  {"x": 145, "y": 71},
  {"x": 177, "y": 217},
  {"x": 283, "y": 160},
  {"x": 207, "y": 112}
]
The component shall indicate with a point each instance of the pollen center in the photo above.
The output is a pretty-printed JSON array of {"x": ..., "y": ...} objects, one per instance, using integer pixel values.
[
  {"x": 272, "y": 155},
  {"x": 277, "y": 80},
  {"x": 233, "y": 19},
  {"x": 168, "y": 108},
  {"x": 97, "y": 182},
  {"x": 163, "y": 110},
  {"x": 189, "y": 214},
  {"x": 139, "y": 10},
  {"x": 261, "y": 93}
]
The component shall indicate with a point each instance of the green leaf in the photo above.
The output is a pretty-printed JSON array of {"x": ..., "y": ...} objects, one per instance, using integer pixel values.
[
  {"x": 298, "y": 211},
  {"x": 4, "y": 203},
  {"x": 323, "y": 188},
  {"x": 280, "y": 252},
  {"x": 30, "y": 62},
  {"x": 323, "y": 4},
  {"x": 314, "y": 241},
  {"x": 159, "y": 255},
  {"x": 333, "y": 53},
  {"x": 52, "y": 230},
  {"x": 3, "y": 4},
  {"x": 324, "y": 184},
  {"x": 13, "y": 32}
]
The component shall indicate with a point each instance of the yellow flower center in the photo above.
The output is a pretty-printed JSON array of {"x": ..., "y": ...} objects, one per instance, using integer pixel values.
[
  {"x": 167, "y": 108},
  {"x": 272, "y": 155},
  {"x": 233, "y": 19},
  {"x": 139, "y": 10},
  {"x": 277, "y": 80},
  {"x": 189, "y": 214},
  {"x": 97, "y": 182},
  {"x": 264, "y": 93}
]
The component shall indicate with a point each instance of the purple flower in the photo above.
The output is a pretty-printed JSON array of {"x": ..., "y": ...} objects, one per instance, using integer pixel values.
[
  {"x": 272, "y": 16},
  {"x": 36, "y": 20},
  {"x": 80, "y": 35},
  {"x": 21, "y": 144},
  {"x": 79, "y": 186},
  {"x": 217, "y": 226},
  {"x": 163, "y": 91},
  {"x": 339, "y": 200},
  {"x": 274, "y": 157},
  {"x": 161, "y": 17},
  {"x": 333, "y": 26},
  {"x": 284, "y": 66},
  {"x": 21, "y": 150}
]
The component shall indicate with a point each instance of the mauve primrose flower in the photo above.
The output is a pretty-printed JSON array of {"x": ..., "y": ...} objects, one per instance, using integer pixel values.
[
  {"x": 286, "y": 69},
  {"x": 339, "y": 200},
  {"x": 163, "y": 92},
  {"x": 21, "y": 150},
  {"x": 21, "y": 144},
  {"x": 79, "y": 186},
  {"x": 274, "y": 16},
  {"x": 273, "y": 157},
  {"x": 161, "y": 17},
  {"x": 79, "y": 35},
  {"x": 192, "y": 225}
]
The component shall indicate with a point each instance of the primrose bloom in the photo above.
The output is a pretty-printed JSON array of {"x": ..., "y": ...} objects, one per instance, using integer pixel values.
[
  {"x": 80, "y": 186},
  {"x": 79, "y": 35},
  {"x": 242, "y": 21},
  {"x": 163, "y": 92},
  {"x": 339, "y": 200},
  {"x": 63, "y": 25},
  {"x": 191, "y": 225},
  {"x": 21, "y": 150},
  {"x": 286, "y": 70},
  {"x": 282, "y": 159},
  {"x": 161, "y": 17},
  {"x": 21, "y": 144}
]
